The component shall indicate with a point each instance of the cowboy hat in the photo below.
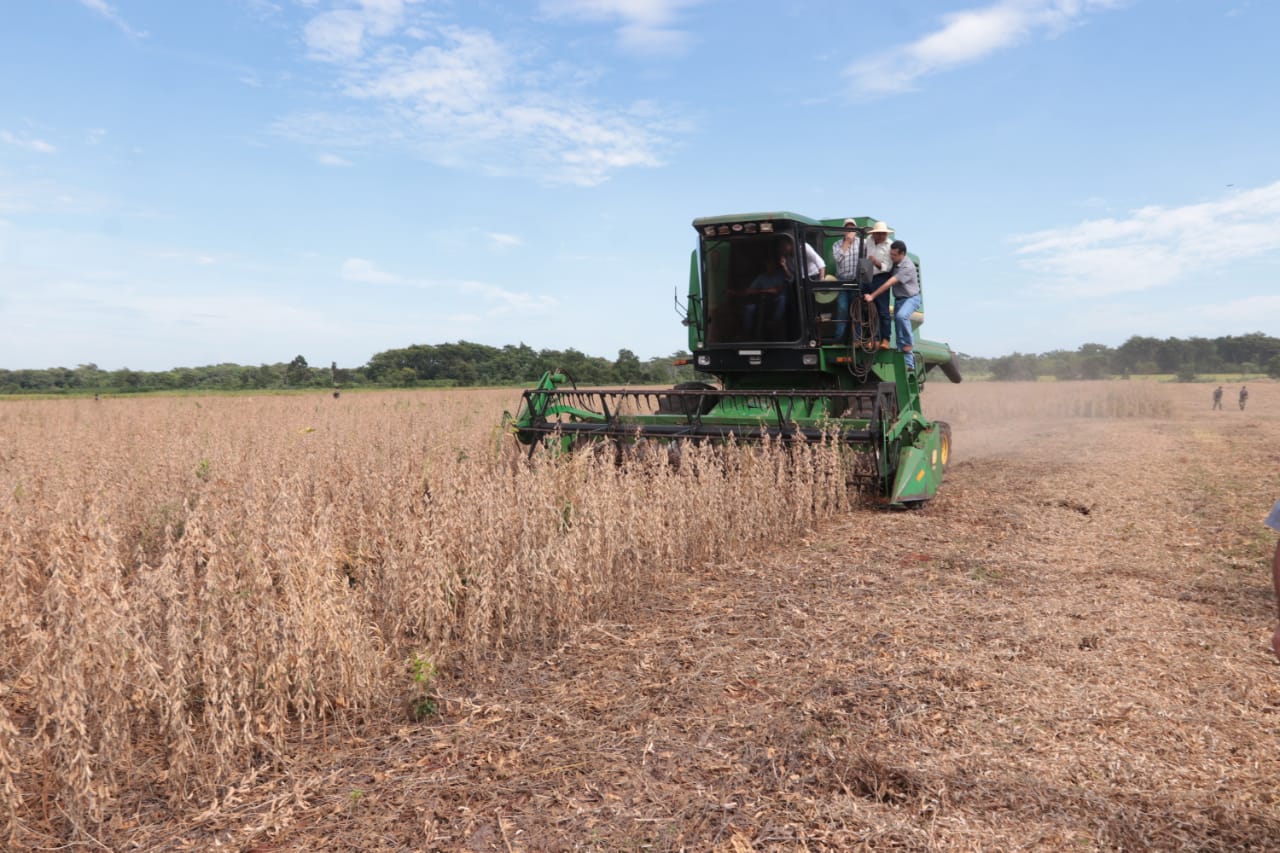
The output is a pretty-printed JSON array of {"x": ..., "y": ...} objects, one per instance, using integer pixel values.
[{"x": 881, "y": 228}]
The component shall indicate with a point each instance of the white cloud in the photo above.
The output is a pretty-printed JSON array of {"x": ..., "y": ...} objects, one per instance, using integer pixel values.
[
  {"x": 469, "y": 69},
  {"x": 967, "y": 37},
  {"x": 645, "y": 24},
  {"x": 1240, "y": 316},
  {"x": 464, "y": 100},
  {"x": 359, "y": 269},
  {"x": 342, "y": 34},
  {"x": 636, "y": 38},
  {"x": 505, "y": 241},
  {"x": 195, "y": 258},
  {"x": 325, "y": 159},
  {"x": 503, "y": 301},
  {"x": 1154, "y": 246},
  {"x": 45, "y": 197},
  {"x": 149, "y": 319},
  {"x": 335, "y": 36},
  {"x": 37, "y": 145},
  {"x": 109, "y": 13},
  {"x": 499, "y": 300}
]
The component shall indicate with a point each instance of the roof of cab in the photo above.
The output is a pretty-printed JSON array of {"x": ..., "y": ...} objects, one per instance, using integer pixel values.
[{"x": 730, "y": 218}]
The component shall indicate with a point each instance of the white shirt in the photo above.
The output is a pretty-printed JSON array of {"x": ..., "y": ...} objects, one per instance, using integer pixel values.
[
  {"x": 880, "y": 251},
  {"x": 813, "y": 262}
]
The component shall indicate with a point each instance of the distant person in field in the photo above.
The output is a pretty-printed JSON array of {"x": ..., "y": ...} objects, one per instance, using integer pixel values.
[
  {"x": 1217, "y": 397},
  {"x": 1273, "y": 521},
  {"x": 1244, "y": 397},
  {"x": 905, "y": 284}
]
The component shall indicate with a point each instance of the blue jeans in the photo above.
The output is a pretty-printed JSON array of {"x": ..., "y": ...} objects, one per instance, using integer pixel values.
[
  {"x": 902, "y": 312},
  {"x": 841, "y": 318}
]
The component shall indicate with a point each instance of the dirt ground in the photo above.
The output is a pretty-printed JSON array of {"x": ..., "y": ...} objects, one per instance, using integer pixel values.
[{"x": 1067, "y": 649}]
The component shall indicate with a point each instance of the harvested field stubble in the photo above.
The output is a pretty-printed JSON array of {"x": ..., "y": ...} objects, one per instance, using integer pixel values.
[{"x": 210, "y": 603}]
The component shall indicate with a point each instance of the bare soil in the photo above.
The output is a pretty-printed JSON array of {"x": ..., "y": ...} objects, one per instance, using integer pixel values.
[{"x": 1066, "y": 649}]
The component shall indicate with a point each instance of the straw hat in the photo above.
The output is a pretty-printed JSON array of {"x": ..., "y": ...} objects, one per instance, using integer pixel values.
[
  {"x": 849, "y": 223},
  {"x": 881, "y": 228}
]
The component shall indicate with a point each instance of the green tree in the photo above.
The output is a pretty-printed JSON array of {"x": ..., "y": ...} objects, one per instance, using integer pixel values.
[
  {"x": 297, "y": 373},
  {"x": 627, "y": 367},
  {"x": 1016, "y": 367},
  {"x": 1136, "y": 355},
  {"x": 126, "y": 379}
]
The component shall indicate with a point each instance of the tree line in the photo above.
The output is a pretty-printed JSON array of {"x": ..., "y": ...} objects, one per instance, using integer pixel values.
[
  {"x": 1253, "y": 353},
  {"x": 469, "y": 364},
  {"x": 420, "y": 365}
]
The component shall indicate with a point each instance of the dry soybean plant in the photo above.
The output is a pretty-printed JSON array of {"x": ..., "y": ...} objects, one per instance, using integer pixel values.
[{"x": 194, "y": 586}]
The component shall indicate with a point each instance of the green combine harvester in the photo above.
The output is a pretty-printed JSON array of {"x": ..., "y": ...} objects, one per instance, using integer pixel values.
[{"x": 794, "y": 363}]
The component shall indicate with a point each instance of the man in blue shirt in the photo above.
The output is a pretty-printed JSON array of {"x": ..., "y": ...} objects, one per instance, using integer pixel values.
[{"x": 765, "y": 304}]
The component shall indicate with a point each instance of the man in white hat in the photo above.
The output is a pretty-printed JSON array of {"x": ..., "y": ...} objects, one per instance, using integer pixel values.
[{"x": 878, "y": 256}]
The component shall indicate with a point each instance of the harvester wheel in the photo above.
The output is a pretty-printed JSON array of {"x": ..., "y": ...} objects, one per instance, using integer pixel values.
[
  {"x": 889, "y": 465},
  {"x": 887, "y": 452},
  {"x": 686, "y": 406},
  {"x": 944, "y": 444}
]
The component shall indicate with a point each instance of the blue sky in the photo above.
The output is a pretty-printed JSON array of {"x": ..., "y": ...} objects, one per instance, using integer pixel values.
[{"x": 189, "y": 183}]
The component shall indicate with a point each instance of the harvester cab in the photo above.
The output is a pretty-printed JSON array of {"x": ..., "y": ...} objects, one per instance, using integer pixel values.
[
  {"x": 767, "y": 304},
  {"x": 790, "y": 352}
]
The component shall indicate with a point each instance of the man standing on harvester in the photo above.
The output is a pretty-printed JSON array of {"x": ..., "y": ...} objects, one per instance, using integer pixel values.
[
  {"x": 906, "y": 295},
  {"x": 881, "y": 269}
]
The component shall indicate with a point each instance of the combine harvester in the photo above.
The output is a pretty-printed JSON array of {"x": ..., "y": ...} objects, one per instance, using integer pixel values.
[{"x": 796, "y": 363}]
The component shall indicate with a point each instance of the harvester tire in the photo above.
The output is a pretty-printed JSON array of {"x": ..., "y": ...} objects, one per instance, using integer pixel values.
[
  {"x": 887, "y": 453},
  {"x": 944, "y": 443},
  {"x": 684, "y": 406}
]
